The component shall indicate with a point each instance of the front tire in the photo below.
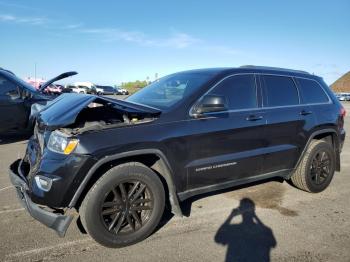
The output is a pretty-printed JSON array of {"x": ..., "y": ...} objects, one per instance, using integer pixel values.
[
  {"x": 124, "y": 206},
  {"x": 316, "y": 170}
]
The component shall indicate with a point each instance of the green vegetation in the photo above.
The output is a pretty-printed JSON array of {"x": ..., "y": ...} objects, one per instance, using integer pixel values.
[{"x": 134, "y": 86}]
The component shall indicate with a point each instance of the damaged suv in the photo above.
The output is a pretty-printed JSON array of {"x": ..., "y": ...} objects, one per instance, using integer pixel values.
[
  {"x": 20, "y": 102},
  {"x": 119, "y": 163}
]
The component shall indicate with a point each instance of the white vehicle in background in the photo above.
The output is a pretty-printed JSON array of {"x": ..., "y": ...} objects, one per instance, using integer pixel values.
[
  {"x": 343, "y": 96},
  {"x": 121, "y": 91},
  {"x": 90, "y": 88},
  {"x": 74, "y": 89}
]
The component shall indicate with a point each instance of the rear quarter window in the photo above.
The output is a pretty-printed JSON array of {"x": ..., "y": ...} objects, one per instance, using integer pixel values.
[{"x": 311, "y": 91}]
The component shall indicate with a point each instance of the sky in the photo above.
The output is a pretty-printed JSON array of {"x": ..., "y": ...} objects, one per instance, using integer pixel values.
[{"x": 109, "y": 42}]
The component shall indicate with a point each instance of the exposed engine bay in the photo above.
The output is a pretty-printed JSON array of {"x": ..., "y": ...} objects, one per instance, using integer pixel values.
[
  {"x": 76, "y": 113},
  {"x": 100, "y": 116}
]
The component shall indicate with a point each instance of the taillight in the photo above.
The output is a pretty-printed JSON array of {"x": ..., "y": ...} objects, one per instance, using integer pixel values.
[{"x": 342, "y": 112}]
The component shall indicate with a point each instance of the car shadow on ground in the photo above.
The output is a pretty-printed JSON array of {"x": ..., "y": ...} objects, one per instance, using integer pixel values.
[
  {"x": 248, "y": 240},
  {"x": 8, "y": 139},
  {"x": 186, "y": 205}
]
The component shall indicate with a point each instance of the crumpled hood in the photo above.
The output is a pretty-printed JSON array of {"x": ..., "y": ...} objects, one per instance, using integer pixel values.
[{"x": 64, "y": 110}]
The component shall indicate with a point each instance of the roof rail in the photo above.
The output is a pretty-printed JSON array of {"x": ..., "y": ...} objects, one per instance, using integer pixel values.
[{"x": 274, "y": 68}]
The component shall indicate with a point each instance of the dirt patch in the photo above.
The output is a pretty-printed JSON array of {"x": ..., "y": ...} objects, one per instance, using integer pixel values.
[{"x": 269, "y": 195}]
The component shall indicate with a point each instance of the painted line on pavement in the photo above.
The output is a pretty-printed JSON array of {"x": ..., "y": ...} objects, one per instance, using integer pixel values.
[
  {"x": 43, "y": 249},
  {"x": 12, "y": 210},
  {"x": 5, "y": 188}
]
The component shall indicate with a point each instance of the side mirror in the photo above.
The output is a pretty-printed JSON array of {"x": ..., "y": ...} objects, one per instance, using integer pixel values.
[{"x": 211, "y": 103}]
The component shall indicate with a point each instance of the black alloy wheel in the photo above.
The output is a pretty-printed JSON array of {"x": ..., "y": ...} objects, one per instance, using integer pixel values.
[
  {"x": 320, "y": 167},
  {"x": 127, "y": 207},
  {"x": 124, "y": 206},
  {"x": 316, "y": 168}
]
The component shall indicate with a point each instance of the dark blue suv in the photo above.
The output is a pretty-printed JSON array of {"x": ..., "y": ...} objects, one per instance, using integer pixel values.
[{"x": 118, "y": 163}]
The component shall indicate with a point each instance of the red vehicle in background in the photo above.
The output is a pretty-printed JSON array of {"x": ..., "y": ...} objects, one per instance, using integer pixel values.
[{"x": 51, "y": 89}]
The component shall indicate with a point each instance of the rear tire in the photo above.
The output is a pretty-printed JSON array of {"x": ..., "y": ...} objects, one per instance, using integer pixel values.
[
  {"x": 124, "y": 206},
  {"x": 316, "y": 169}
]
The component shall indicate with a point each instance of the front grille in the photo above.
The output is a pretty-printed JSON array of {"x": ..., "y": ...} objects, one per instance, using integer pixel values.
[
  {"x": 40, "y": 138},
  {"x": 34, "y": 152}
]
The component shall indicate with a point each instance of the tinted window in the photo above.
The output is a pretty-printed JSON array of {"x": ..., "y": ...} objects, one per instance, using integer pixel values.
[
  {"x": 7, "y": 87},
  {"x": 280, "y": 91},
  {"x": 239, "y": 90},
  {"x": 311, "y": 91}
]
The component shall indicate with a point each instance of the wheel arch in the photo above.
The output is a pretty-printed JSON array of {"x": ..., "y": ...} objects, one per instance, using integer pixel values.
[
  {"x": 158, "y": 163},
  {"x": 329, "y": 135}
]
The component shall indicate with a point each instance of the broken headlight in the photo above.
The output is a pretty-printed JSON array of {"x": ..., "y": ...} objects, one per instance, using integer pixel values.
[{"x": 62, "y": 144}]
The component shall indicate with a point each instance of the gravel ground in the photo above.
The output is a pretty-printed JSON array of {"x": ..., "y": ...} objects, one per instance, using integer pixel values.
[{"x": 286, "y": 225}]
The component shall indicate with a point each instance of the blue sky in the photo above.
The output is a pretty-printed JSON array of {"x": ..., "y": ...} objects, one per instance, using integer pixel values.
[{"x": 108, "y": 42}]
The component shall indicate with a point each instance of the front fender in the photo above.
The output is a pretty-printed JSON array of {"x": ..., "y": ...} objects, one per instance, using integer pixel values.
[{"x": 164, "y": 165}]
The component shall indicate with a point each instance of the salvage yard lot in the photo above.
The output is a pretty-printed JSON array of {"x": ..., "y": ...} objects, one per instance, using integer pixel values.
[{"x": 294, "y": 225}]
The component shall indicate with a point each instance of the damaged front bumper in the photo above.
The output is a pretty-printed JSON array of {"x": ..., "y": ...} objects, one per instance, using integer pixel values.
[{"x": 57, "y": 222}]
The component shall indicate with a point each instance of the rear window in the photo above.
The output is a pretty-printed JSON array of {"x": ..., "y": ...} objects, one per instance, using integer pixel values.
[
  {"x": 312, "y": 92},
  {"x": 280, "y": 91}
]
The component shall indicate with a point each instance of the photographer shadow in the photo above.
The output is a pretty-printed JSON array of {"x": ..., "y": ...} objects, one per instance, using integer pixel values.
[{"x": 249, "y": 240}]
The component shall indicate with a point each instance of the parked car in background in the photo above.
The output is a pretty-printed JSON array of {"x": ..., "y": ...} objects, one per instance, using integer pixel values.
[
  {"x": 108, "y": 90},
  {"x": 121, "y": 91},
  {"x": 20, "y": 102},
  {"x": 50, "y": 89},
  {"x": 53, "y": 89},
  {"x": 188, "y": 133},
  {"x": 90, "y": 88},
  {"x": 343, "y": 97},
  {"x": 74, "y": 89}
]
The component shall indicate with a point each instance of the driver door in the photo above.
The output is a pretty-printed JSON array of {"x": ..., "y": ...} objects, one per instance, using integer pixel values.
[
  {"x": 228, "y": 146},
  {"x": 13, "y": 113}
]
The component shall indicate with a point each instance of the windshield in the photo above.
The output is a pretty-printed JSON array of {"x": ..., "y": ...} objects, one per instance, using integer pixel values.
[{"x": 167, "y": 91}]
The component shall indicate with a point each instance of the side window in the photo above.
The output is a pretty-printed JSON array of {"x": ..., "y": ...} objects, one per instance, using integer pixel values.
[
  {"x": 239, "y": 90},
  {"x": 280, "y": 91},
  {"x": 311, "y": 91}
]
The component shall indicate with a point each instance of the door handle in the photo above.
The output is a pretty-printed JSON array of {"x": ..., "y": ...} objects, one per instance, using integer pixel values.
[
  {"x": 254, "y": 118},
  {"x": 305, "y": 113}
]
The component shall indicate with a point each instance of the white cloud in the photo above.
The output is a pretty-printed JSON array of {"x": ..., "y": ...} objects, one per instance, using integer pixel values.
[
  {"x": 175, "y": 40},
  {"x": 72, "y": 26},
  {"x": 22, "y": 20},
  {"x": 181, "y": 40}
]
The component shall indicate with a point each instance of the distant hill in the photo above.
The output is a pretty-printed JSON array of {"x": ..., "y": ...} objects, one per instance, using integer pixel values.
[{"x": 342, "y": 84}]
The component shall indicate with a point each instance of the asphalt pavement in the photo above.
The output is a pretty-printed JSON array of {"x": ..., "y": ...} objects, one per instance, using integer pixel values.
[{"x": 279, "y": 223}]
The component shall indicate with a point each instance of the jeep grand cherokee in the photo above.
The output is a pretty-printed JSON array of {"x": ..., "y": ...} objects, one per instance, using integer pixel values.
[{"x": 118, "y": 163}]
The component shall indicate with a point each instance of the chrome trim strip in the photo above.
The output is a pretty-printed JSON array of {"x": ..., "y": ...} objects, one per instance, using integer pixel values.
[{"x": 191, "y": 114}]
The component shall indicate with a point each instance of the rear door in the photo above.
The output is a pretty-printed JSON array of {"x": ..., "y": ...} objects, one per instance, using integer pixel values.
[
  {"x": 13, "y": 113},
  {"x": 321, "y": 106},
  {"x": 228, "y": 145},
  {"x": 288, "y": 121}
]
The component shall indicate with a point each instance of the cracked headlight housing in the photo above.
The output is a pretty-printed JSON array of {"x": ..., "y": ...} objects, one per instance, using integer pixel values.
[{"x": 60, "y": 143}]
